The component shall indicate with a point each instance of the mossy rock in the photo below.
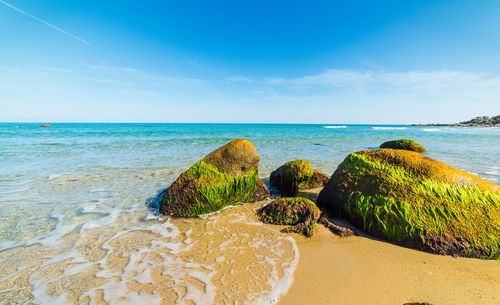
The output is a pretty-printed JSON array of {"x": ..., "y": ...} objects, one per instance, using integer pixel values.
[
  {"x": 261, "y": 192},
  {"x": 226, "y": 176},
  {"x": 299, "y": 213},
  {"x": 404, "y": 144},
  {"x": 296, "y": 176},
  {"x": 318, "y": 179},
  {"x": 416, "y": 201}
]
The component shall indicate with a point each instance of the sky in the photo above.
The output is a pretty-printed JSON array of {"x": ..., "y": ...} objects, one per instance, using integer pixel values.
[{"x": 324, "y": 62}]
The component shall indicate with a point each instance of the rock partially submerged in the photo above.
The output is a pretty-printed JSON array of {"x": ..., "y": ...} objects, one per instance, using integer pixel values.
[
  {"x": 416, "y": 201},
  {"x": 224, "y": 177},
  {"x": 45, "y": 125},
  {"x": 404, "y": 144},
  {"x": 295, "y": 176},
  {"x": 300, "y": 214}
]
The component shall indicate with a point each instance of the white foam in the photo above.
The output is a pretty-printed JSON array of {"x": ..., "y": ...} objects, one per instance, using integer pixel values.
[
  {"x": 388, "y": 128},
  {"x": 430, "y": 129},
  {"x": 280, "y": 286},
  {"x": 334, "y": 126}
]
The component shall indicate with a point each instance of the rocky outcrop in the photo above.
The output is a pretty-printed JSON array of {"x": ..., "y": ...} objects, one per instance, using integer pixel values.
[
  {"x": 224, "y": 177},
  {"x": 295, "y": 176},
  {"x": 416, "y": 201},
  {"x": 404, "y": 144}
]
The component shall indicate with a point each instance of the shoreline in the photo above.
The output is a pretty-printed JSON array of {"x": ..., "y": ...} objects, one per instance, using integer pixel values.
[{"x": 366, "y": 270}]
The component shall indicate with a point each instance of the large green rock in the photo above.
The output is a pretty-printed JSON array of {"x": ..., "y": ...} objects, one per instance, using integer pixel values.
[
  {"x": 226, "y": 176},
  {"x": 404, "y": 144},
  {"x": 413, "y": 200},
  {"x": 296, "y": 176}
]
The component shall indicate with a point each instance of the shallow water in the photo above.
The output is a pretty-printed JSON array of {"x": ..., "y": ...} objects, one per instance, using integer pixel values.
[{"x": 76, "y": 226}]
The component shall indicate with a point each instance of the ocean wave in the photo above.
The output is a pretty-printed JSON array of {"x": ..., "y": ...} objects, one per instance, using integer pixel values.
[
  {"x": 388, "y": 128},
  {"x": 430, "y": 129},
  {"x": 335, "y": 126},
  {"x": 132, "y": 249}
]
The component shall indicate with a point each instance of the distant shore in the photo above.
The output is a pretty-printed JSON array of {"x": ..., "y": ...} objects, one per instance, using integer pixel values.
[
  {"x": 459, "y": 125},
  {"x": 480, "y": 121}
]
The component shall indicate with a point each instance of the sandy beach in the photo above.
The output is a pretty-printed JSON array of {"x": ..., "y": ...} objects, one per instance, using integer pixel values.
[{"x": 364, "y": 270}]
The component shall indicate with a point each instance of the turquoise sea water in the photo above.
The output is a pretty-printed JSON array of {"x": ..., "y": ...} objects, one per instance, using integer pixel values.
[
  {"x": 78, "y": 177},
  {"x": 31, "y": 156}
]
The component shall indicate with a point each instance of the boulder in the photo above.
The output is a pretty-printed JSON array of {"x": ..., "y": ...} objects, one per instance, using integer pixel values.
[
  {"x": 296, "y": 175},
  {"x": 261, "y": 192},
  {"x": 224, "y": 177},
  {"x": 404, "y": 144},
  {"x": 300, "y": 214},
  {"x": 416, "y": 201},
  {"x": 45, "y": 125},
  {"x": 318, "y": 179}
]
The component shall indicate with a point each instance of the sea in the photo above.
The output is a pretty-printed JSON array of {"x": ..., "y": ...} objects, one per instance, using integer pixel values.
[{"x": 79, "y": 221}]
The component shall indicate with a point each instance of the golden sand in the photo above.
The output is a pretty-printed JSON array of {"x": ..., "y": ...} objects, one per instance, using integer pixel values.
[
  {"x": 364, "y": 270},
  {"x": 230, "y": 257}
]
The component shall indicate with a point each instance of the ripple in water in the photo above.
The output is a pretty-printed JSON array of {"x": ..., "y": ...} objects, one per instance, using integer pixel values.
[{"x": 139, "y": 258}]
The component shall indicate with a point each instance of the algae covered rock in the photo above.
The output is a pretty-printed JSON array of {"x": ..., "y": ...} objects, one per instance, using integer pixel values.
[
  {"x": 296, "y": 175},
  {"x": 299, "y": 213},
  {"x": 224, "y": 177},
  {"x": 404, "y": 144},
  {"x": 261, "y": 192},
  {"x": 416, "y": 201},
  {"x": 318, "y": 179}
]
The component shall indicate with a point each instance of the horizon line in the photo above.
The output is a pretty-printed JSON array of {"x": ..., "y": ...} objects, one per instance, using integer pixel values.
[{"x": 243, "y": 123}]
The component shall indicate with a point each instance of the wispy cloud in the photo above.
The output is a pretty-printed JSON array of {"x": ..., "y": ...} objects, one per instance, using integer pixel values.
[
  {"x": 46, "y": 23},
  {"x": 373, "y": 79},
  {"x": 241, "y": 79},
  {"x": 138, "y": 74}
]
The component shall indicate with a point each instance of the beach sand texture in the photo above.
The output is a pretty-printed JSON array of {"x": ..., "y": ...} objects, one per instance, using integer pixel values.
[{"x": 364, "y": 270}]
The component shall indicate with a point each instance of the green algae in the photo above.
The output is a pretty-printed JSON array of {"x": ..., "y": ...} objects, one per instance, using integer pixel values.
[
  {"x": 405, "y": 144},
  {"x": 301, "y": 213},
  {"x": 292, "y": 176},
  {"x": 400, "y": 205},
  {"x": 213, "y": 190}
]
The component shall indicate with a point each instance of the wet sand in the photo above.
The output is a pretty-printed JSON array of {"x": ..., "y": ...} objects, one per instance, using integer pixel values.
[{"x": 362, "y": 270}]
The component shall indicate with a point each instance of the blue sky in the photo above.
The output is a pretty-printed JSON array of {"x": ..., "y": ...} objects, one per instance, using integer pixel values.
[{"x": 385, "y": 62}]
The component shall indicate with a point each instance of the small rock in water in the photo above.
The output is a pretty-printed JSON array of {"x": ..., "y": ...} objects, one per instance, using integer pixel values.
[
  {"x": 45, "y": 125},
  {"x": 404, "y": 144}
]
